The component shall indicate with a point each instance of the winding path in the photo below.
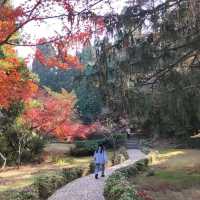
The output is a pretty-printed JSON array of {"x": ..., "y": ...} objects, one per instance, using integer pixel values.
[{"x": 88, "y": 188}]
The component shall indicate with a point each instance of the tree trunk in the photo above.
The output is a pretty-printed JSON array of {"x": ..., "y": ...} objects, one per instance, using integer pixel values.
[
  {"x": 19, "y": 151},
  {"x": 4, "y": 159}
]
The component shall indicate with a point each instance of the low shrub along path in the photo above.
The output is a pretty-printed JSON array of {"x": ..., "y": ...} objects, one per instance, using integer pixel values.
[{"x": 88, "y": 188}]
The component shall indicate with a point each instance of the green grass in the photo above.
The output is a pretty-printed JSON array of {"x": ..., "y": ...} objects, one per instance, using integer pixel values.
[
  {"x": 176, "y": 175},
  {"x": 179, "y": 178}
]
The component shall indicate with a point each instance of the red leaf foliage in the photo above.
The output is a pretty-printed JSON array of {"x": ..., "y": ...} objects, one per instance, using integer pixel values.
[
  {"x": 54, "y": 116},
  {"x": 14, "y": 85}
]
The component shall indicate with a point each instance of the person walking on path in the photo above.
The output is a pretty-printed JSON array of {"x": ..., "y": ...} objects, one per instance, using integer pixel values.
[{"x": 100, "y": 158}]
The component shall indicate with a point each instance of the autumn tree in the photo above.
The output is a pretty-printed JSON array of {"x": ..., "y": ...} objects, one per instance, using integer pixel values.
[
  {"x": 52, "y": 113},
  {"x": 17, "y": 86},
  {"x": 77, "y": 20}
]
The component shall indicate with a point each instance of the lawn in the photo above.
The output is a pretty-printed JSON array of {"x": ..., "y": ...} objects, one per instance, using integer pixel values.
[
  {"x": 175, "y": 174},
  {"x": 55, "y": 159}
]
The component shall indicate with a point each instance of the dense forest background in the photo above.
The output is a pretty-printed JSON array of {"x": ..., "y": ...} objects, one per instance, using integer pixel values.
[{"x": 149, "y": 75}]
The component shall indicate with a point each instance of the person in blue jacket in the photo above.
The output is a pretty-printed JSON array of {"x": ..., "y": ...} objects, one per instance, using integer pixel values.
[{"x": 100, "y": 158}]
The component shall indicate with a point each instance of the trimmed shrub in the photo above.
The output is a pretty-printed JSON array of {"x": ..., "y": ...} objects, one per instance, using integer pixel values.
[
  {"x": 113, "y": 180},
  {"x": 28, "y": 193},
  {"x": 85, "y": 147},
  {"x": 142, "y": 164},
  {"x": 129, "y": 171},
  {"x": 47, "y": 184},
  {"x": 71, "y": 174},
  {"x": 117, "y": 186}
]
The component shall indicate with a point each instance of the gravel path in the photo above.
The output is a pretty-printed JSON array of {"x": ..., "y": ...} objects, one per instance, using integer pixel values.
[{"x": 88, "y": 188}]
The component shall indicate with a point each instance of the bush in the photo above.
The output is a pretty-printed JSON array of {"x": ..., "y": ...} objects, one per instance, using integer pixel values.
[
  {"x": 194, "y": 143},
  {"x": 119, "y": 139},
  {"x": 117, "y": 186},
  {"x": 48, "y": 184},
  {"x": 129, "y": 171},
  {"x": 72, "y": 174},
  {"x": 120, "y": 156},
  {"x": 28, "y": 193},
  {"x": 142, "y": 164},
  {"x": 87, "y": 147},
  {"x": 34, "y": 149},
  {"x": 31, "y": 146},
  {"x": 45, "y": 185},
  {"x": 92, "y": 167}
]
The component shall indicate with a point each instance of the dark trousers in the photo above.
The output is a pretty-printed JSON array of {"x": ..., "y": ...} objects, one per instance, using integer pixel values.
[{"x": 99, "y": 168}]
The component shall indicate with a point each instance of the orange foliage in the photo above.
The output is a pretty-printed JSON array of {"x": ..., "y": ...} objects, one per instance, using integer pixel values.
[
  {"x": 67, "y": 61},
  {"x": 63, "y": 60},
  {"x": 54, "y": 115},
  {"x": 14, "y": 86},
  {"x": 83, "y": 26},
  {"x": 8, "y": 18}
]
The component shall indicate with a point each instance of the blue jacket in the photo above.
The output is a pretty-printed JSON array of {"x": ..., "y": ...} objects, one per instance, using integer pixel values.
[{"x": 100, "y": 158}]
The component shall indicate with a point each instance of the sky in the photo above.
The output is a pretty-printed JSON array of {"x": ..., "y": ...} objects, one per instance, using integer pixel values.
[{"x": 48, "y": 28}]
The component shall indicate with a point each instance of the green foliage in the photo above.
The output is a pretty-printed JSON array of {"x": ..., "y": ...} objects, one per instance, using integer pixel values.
[
  {"x": 45, "y": 185},
  {"x": 31, "y": 145},
  {"x": 129, "y": 171},
  {"x": 89, "y": 101},
  {"x": 85, "y": 147},
  {"x": 28, "y": 193},
  {"x": 88, "y": 147},
  {"x": 134, "y": 169},
  {"x": 117, "y": 185},
  {"x": 92, "y": 167},
  {"x": 17, "y": 143},
  {"x": 72, "y": 173},
  {"x": 153, "y": 77},
  {"x": 34, "y": 148},
  {"x": 172, "y": 109}
]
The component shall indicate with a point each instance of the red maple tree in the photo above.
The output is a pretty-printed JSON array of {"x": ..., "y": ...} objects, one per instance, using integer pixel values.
[
  {"x": 15, "y": 81},
  {"x": 53, "y": 115},
  {"x": 78, "y": 24}
]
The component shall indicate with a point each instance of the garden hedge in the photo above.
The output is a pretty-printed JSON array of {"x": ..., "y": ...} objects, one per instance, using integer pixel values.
[
  {"x": 87, "y": 147},
  {"x": 45, "y": 185},
  {"x": 117, "y": 186}
]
